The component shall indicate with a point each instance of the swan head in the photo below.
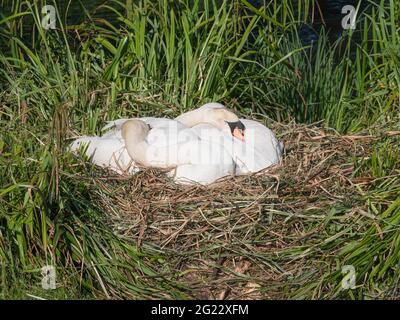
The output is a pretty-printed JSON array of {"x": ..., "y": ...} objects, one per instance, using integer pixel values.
[
  {"x": 136, "y": 129},
  {"x": 227, "y": 121}
]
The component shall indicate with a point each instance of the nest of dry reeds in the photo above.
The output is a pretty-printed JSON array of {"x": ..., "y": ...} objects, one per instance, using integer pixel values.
[{"x": 246, "y": 236}]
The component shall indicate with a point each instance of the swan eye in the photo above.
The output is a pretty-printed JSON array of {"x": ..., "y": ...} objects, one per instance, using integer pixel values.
[
  {"x": 236, "y": 125},
  {"x": 237, "y": 129}
]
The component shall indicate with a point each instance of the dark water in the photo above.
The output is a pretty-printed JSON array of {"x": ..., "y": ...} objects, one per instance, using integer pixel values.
[{"x": 326, "y": 14}]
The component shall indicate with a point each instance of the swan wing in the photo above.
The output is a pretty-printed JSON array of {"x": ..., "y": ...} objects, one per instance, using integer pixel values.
[
  {"x": 208, "y": 163},
  {"x": 262, "y": 148},
  {"x": 113, "y": 129},
  {"x": 105, "y": 152}
]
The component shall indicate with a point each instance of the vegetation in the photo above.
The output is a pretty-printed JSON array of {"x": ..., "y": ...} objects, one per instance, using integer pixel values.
[{"x": 164, "y": 57}]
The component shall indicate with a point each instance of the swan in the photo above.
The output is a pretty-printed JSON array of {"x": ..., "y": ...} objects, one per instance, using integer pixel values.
[
  {"x": 191, "y": 161},
  {"x": 165, "y": 136},
  {"x": 253, "y": 148}
]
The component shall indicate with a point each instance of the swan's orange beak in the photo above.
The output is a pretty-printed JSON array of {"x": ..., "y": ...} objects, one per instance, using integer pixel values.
[{"x": 238, "y": 133}]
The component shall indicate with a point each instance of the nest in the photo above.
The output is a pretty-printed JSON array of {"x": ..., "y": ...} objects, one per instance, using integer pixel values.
[{"x": 245, "y": 237}]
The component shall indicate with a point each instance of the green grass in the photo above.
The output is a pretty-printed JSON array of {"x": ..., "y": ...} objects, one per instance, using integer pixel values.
[{"x": 163, "y": 58}]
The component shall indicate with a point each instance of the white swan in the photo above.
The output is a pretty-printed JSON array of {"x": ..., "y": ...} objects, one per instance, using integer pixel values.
[
  {"x": 255, "y": 149},
  {"x": 170, "y": 144}
]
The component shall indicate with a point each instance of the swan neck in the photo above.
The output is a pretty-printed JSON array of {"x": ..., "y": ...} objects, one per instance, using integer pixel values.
[
  {"x": 192, "y": 118},
  {"x": 136, "y": 145}
]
